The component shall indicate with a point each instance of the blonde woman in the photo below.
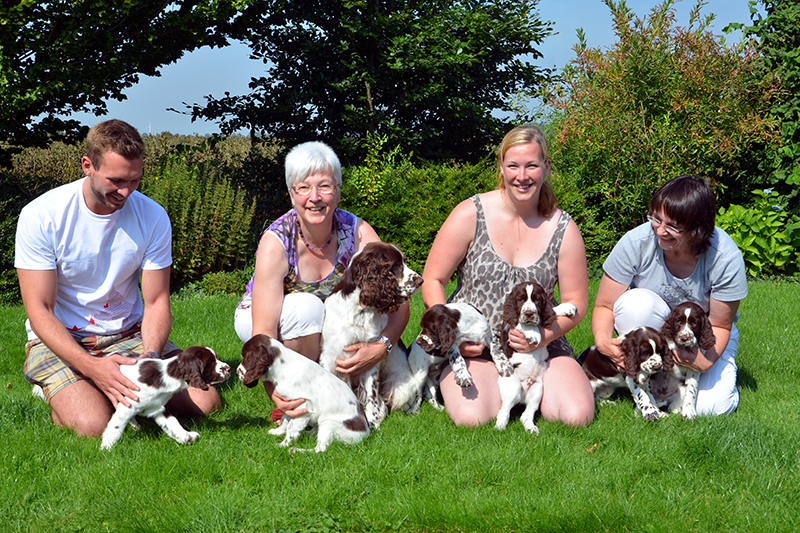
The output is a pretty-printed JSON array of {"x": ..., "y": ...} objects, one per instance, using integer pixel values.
[{"x": 496, "y": 240}]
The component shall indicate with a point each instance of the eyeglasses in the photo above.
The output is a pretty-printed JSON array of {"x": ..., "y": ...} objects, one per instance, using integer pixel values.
[
  {"x": 322, "y": 188},
  {"x": 657, "y": 223}
]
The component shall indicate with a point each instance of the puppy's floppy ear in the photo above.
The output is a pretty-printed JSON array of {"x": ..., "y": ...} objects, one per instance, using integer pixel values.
[
  {"x": 258, "y": 354},
  {"x": 667, "y": 357},
  {"x": 191, "y": 364},
  {"x": 707, "y": 337},
  {"x": 379, "y": 286},
  {"x": 511, "y": 307},
  {"x": 446, "y": 330},
  {"x": 630, "y": 349},
  {"x": 668, "y": 329},
  {"x": 547, "y": 314}
]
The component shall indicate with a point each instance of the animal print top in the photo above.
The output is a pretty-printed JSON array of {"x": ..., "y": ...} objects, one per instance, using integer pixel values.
[{"x": 484, "y": 279}]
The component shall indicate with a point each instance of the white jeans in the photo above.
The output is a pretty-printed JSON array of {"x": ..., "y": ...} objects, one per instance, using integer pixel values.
[
  {"x": 717, "y": 394},
  {"x": 301, "y": 315}
]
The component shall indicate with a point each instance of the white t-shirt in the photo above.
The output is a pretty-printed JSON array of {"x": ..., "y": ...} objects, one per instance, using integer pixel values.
[
  {"x": 98, "y": 258},
  {"x": 637, "y": 260}
]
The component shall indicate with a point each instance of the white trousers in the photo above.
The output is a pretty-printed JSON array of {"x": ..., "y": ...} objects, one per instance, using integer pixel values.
[
  {"x": 717, "y": 394},
  {"x": 301, "y": 315}
]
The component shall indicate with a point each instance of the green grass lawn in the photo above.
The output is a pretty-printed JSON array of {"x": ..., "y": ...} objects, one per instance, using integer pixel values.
[{"x": 734, "y": 473}]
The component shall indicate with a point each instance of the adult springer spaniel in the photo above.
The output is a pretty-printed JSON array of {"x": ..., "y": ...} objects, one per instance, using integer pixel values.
[
  {"x": 332, "y": 407},
  {"x": 444, "y": 328},
  {"x": 527, "y": 308},
  {"x": 645, "y": 352},
  {"x": 376, "y": 283},
  {"x": 158, "y": 380},
  {"x": 675, "y": 388}
]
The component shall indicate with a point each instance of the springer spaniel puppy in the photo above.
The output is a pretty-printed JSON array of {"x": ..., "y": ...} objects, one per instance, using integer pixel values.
[
  {"x": 376, "y": 283},
  {"x": 526, "y": 309},
  {"x": 444, "y": 328},
  {"x": 675, "y": 388},
  {"x": 645, "y": 352},
  {"x": 158, "y": 380},
  {"x": 332, "y": 406}
]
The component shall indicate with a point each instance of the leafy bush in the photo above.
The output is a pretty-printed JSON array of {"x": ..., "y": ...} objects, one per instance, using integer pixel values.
[
  {"x": 666, "y": 100},
  {"x": 758, "y": 231},
  {"x": 210, "y": 220},
  {"x": 407, "y": 204},
  {"x": 778, "y": 45}
]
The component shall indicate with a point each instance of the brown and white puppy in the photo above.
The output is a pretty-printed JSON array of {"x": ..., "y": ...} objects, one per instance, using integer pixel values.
[
  {"x": 158, "y": 380},
  {"x": 527, "y": 309},
  {"x": 332, "y": 407},
  {"x": 645, "y": 352},
  {"x": 675, "y": 388},
  {"x": 443, "y": 329},
  {"x": 376, "y": 283}
]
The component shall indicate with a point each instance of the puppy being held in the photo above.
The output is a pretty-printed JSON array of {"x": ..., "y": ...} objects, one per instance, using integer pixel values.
[
  {"x": 675, "y": 388},
  {"x": 331, "y": 405},
  {"x": 158, "y": 380},
  {"x": 444, "y": 328},
  {"x": 375, "y": 284},
  {"x": 645, "y": 352},
  {"x": 527, "y": 309}
]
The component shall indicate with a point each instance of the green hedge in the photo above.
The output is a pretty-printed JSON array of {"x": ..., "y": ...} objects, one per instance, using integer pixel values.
[{"x": 414, "y": 201}]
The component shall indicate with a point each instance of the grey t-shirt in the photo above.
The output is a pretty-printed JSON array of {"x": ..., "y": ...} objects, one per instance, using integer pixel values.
[{"x": 637, "y": 260}]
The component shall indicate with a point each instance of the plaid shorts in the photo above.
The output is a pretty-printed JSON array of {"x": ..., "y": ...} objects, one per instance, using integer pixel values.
[{"x": 46, "y": 369}]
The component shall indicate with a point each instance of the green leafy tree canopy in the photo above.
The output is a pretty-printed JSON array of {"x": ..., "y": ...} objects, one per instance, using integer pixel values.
[
  {"x": 62, "y": 56},
  {"x": 665, "y": 100},
  {"x": 432, "y": 75}
]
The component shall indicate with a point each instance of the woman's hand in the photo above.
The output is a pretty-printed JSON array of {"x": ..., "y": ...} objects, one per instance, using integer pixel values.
[
  {"x": 471, "y": 349},
  {"x": 519, "y": 343},
  {"x": 612, "y": 350},
  {"x": 692, "y": 359},
  {"x": 365, "y": 356},
  {"x": 287, "y": 406}
]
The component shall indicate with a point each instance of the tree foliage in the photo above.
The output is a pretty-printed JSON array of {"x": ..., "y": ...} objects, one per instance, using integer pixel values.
[
  {"x": 62, "y": 56},
  {"x": 666, "y": 100},
  {"x": 426, "y": 73},
  {"x": 778, "y": 44}
]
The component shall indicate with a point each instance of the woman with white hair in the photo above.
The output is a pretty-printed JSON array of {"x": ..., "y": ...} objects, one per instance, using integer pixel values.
[{"x": 300, "y": 258}]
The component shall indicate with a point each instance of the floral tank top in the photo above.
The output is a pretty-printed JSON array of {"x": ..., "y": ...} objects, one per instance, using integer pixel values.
[
  {"x": 285, "y": 228},
  {"x": 484, "y": 279}
]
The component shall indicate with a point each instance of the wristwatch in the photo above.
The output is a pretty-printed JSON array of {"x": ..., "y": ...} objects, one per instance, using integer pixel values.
[{"x": 385, "y": 340}]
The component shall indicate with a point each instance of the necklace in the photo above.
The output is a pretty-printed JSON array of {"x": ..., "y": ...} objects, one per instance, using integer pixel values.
[{"x": 310, "y": 247}]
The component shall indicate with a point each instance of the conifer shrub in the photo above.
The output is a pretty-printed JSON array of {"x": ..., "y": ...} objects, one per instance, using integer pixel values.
[{"x": 210, "y": 219}]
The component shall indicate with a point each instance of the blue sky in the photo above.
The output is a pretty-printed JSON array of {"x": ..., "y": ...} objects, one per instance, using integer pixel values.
[{"x": 212, "y": 72}]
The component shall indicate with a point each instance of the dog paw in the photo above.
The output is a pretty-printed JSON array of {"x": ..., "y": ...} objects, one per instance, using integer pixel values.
[
  {"x": 436, "y": 405},
  {"x": 464, "y": 381},
  {"x": 505, "y": 368},
  {"x": 530, "y": 427},
  {"x": 654, "y": 415},
  {"x": 566, "y": 309},
  {"x": 689, "y": 414},
  {"x": 190, "y": 437}
]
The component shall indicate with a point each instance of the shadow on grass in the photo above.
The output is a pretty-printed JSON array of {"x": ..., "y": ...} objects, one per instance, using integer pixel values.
[{"x": 745, "y": 380}]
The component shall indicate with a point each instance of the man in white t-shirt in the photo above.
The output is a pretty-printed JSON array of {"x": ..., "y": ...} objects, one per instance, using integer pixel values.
[{"x": 80, "y": 252}]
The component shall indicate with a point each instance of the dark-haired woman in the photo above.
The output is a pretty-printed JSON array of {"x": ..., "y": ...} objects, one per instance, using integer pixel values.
[{"x": 678, "y": 255}]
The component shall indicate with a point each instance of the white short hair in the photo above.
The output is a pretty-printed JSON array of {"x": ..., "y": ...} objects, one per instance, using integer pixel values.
[{"x": 311, "y": 158}]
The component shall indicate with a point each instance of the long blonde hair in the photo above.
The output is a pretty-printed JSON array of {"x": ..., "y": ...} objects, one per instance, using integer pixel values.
[{"x": 526, "y": 134}]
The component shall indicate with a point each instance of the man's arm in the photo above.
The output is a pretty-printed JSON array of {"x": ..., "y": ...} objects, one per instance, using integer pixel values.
[
  {"x": 157, "y": 319},
  {"x": 39, "y": 289}
]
